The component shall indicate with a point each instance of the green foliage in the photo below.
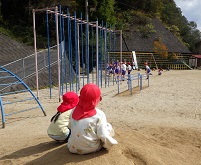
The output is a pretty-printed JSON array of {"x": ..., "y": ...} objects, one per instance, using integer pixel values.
[
  {"x": 3, "y": 28},
  {"x": 147, "y": 30},
  {"x": 16, "y": 17},
  {"x": 101, "y": 10},
  {"x": 174, "y": 29},
  {"x": 164, "y": 10},
  {"x": 122, "y": 20},
  {"x": 5, "y": 31},
  {"x": 139, "y": 20},
  {"x": 105, "y": 11},
  {"x": 157, "y": 7}
]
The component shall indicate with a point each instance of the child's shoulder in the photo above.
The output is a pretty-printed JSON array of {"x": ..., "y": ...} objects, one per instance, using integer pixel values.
[{"x": 99, "y": 112}]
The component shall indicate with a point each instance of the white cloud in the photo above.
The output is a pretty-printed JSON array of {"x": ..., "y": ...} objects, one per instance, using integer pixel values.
[
  {"x": 187, "y": 5},
  {"x": 191, "y": 10}
]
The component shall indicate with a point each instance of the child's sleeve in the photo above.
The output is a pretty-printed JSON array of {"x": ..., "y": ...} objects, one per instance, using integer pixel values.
[{"x": 104, "y": 132}]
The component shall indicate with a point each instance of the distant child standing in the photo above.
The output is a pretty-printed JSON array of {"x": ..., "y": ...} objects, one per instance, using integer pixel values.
[
  {"x": 116, "y": 68},
  {"x": 129, "y": 67},
  {"x": 58, "y": 128},
  {"x": 123, "y": 70},
  {"x": 147, "y": 69}
]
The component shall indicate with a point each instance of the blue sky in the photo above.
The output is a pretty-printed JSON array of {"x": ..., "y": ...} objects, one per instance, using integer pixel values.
[{"x": 191, "y": 10}]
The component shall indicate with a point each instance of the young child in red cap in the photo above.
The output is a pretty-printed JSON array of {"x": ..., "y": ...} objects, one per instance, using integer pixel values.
[
  {"x": 90, "y": 130},
  {"x": 58, "y": 128},
  {"x": 147, "y": 70},
  {"x": 129, "y": 67}
]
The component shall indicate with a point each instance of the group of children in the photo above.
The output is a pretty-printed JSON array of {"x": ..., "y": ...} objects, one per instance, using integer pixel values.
[
  {"x": 79, "y": 123},
  {"x": 120, "y": 68}
]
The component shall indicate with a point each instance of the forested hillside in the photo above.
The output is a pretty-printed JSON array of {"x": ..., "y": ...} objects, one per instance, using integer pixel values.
[{"x": 16, "y": 17}]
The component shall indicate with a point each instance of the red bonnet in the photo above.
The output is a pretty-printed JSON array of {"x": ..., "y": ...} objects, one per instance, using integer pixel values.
[
  {"x": 70, "y": 100},
  {"x": 90, "y": 95}
]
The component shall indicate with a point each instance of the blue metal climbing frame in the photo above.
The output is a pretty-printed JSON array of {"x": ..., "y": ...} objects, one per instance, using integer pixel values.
[{"x": 9, "y": 83}]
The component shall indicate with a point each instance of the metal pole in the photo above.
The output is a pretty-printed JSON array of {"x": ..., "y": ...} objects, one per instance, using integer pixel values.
[
  {"x": 2, "y": 113},
  {"x": 49, "y": 66},
  {"x": 106, "y": 62},
  {"x": 61, "y": 51},
  {"x": 97, "y": 70},
  {"x": 121, "y": 45},
  {"x": 58, "y": 54},
  {"x": 83, "y": 66},
  {"x": 92, "y": 53},
  {"x": 76, "y": 52},
  {"x": 78, "y": 49},
  {"x": 87, "y": 49},
  {"x": 36, "y": 58},
  {"x": 101, "y": 56},
  {"x": 87, "y": 40},
  {"x": 121, "y": 52}
]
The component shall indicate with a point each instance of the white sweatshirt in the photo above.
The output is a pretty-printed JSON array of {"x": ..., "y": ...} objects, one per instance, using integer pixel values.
[{"x": 90, "y": 134}]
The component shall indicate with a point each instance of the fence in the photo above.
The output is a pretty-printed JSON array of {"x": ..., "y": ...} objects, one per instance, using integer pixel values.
[{"x": 130, "y": 80}]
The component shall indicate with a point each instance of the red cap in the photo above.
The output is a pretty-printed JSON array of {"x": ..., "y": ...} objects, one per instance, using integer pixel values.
[
  {"x": 90, "y": 95},
  {"x": 70, "y": 100}
]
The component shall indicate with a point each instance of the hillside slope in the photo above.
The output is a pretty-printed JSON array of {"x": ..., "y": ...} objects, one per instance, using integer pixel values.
[
  {"x": 24, "y": 68},
  {"x": 11, "y": 50}
]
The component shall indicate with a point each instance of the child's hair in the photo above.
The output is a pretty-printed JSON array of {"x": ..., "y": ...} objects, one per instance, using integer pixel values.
[
  {"x": 55, "y": 117},
  {"x": 70, "y": 100}
]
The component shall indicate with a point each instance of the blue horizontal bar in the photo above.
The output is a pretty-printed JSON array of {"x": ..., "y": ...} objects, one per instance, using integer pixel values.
[
  {"x": 10, "y": 102},
  {"x": 15, "y": 92},
  {"x": 21, "y": 111},
  {"x": 10, "y": 84},
  {"x": 7, "y": 77}
]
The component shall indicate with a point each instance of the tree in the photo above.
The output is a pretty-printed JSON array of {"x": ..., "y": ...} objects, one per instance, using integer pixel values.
[
  {"x": 106, "y": 12},
  {"x": 147, "y": 30},
  {"x": 16, "y": 16},
  {"x": 101, "y": 10},
  {"x": 160, "y": 49}
]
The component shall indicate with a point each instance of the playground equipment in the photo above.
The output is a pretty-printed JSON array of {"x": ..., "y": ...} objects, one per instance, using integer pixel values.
[
  {"x": 144, "y": 77},
  {"x": 130, "y": 81},
  {"x": 8, "y": 80},
  {"x": 75, "y": 52},
  {"x": 74, "y": 59},
  {"x": 131, "y": 78}
]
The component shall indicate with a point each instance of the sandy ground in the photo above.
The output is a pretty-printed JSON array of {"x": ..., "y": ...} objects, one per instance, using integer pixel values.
[{"x": 159, "y": 125}]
